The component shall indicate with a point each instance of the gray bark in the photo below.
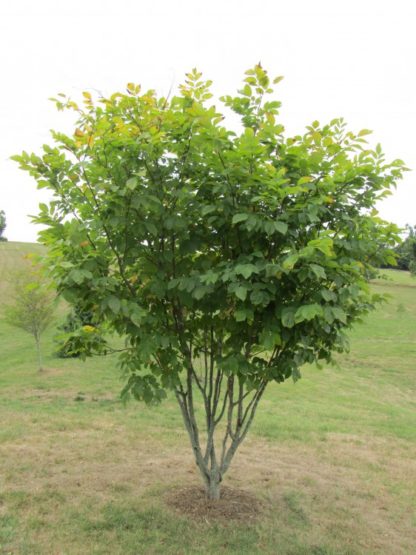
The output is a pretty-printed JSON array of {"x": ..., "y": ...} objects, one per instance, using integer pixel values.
[
  {"x": 213, "y": 488},
  {"x": 223, "y": 398},
  {"x": 238, "y": 421},
  {"x": 37, "y": 339}
]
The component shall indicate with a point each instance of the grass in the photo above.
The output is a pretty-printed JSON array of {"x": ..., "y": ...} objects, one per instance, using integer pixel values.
[{"x": 332, "y": 458}]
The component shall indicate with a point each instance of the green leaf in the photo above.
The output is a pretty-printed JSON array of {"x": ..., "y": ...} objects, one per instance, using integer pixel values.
[
  {"x": 328, "y": 315},
  {"x": 364, "y": 132},
  {"x": 269, "y": 339},
  {"x": 131, "y": 183},
  {"x": 290, "y": 261},
  {"x": 273, "y": 270},
  {"x": 137, "y": 316},
  {"x": 269, "y": 228},
  {"x": 312, "y": 212},
  {"x": 243, "y": 314},
  {"x": 324, "y": 244},
  {"x": 79, "y": 275},
  {"x": 208, "y": 209},
  {"x": 246, "y": 91},
  {"x": 308, "y": 312},
  {"x": 246, "y": 270},
  {"x": 328, "y": 295},
  {"x": 296, "y": 375},
  {"x": 339, "y": 314},
  {"x": 258, "y": 297},
  {"x": 114, "y": 304},
  {"x": 251, "y": 222},
  {"x": 318, "y": 271},
  {"x": 210, "y": 277},
  {"x": 288, "y": 317},
  {"x": 230, "y": 364},
  {"x": 151, "y": 228},
  {"x": 241, "y": 292},
  {"x": 173, "y": 283},
  {"x": 281, "y": 227},
  {"x": 391, "y": 259},
  {"x": 200, "y": 292},
  {"x": 237, "y": 218},
  {"x": 305, "y": 179},
  {"x": 158, "y": 288}
]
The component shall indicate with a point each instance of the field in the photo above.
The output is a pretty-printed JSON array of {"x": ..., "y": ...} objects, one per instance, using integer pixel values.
[{"x": 332, "y": 458}]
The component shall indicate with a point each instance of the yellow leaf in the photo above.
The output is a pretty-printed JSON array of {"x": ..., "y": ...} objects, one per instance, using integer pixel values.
[{"x": 364, "y": 132}]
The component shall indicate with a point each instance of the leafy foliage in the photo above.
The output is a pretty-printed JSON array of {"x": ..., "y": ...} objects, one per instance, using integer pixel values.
[
  {"x": 2, "y": 225},
  {"x": 79, "y": 335},
  {"x": 406, "y": 251},
  {"x": 227, "y": 259}
]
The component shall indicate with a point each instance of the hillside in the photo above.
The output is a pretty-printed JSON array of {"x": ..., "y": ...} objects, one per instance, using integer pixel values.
[{"x": 12, "y": 256}]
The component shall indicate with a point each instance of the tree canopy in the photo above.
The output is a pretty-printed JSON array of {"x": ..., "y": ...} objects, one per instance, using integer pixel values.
[{"x": 226, "y": 258}]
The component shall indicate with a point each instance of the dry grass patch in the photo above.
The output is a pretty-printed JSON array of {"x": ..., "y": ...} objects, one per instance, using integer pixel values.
[
  {"x": 335, "y": 490},
  {"x": 317, "y": 491}
]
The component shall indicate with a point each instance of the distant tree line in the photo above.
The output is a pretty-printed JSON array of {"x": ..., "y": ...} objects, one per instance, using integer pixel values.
[
  {"x": 2, "y": 225},
  {"x": 406, "y": 251}
]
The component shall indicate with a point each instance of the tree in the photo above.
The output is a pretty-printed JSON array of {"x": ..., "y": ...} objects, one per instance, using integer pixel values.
[
  {"x": 33, "y": 303},
  {"x": 2, "y": 225},
  {"x": 226, "y": 259},
  {"x": 406, "y": 251}
]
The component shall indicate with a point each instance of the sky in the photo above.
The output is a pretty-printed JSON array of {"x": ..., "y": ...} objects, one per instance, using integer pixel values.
[{"x": 349, "y": 58}]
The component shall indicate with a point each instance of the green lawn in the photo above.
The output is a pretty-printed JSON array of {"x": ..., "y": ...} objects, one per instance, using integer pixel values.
[{"x": 331, "y": 458}]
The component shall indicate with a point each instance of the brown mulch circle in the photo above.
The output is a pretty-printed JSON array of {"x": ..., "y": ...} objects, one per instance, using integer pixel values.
[{"x": 234, "y": 504}]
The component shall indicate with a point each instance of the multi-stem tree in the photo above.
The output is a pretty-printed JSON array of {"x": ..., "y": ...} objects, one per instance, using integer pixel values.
[{"x": 226, "y": 259}]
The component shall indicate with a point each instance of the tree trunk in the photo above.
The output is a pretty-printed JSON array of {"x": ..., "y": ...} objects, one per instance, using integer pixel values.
[
  {"x": 239, "y": 419},
  {"x": 39, "y": 353},
  {"x": 213, "y": 487}
]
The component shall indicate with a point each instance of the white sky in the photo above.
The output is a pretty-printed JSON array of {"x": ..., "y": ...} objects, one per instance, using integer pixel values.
[{"x": 350, "y": 58}]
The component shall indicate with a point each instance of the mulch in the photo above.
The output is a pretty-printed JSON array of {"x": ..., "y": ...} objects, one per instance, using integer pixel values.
[{"x": 234, "y": 504}]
